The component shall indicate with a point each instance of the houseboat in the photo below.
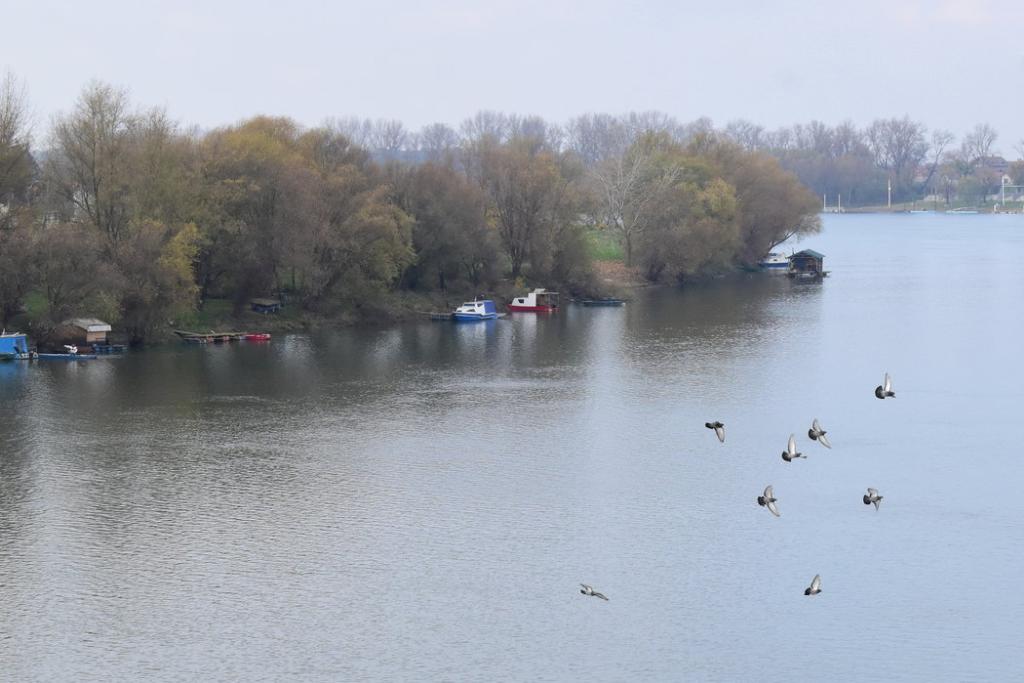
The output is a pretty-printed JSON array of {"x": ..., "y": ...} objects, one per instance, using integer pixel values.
[
  {"x": 807, "y": 265},
  {"x": 482, "y": 309},
  {"x": 14, "y": 346},
  {"x": 774, "y": 263},
  {"x": 538, "y": 301}
]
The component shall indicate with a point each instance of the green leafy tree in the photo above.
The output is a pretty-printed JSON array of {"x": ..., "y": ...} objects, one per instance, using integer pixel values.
[
  {"x": 450, "y": 235},
  {"x": 773, "y": 205},
  {"x": 155, "y": 277},
  {"x": 530, "y": 196}
]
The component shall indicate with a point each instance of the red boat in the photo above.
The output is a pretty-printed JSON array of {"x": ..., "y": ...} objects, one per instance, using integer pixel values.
[
  {"x": 257, "y": 336},
  {"x": 538, "y": 301}
]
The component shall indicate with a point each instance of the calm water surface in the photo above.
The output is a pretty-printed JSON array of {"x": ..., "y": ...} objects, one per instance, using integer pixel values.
[{"x": 420, "y": 502}]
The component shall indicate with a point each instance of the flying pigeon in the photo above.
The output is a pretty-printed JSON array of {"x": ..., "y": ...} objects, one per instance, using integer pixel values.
[
  {"x": 885, "y": 389},
  {"x": 768, "y": 501},
  {"x": 790, "y": 451},
  {"x": 815, "y": 586},
  {"x": 873, "y": 497},
  {"x": 588, "y": 590},
  {"x": 818, "y": 434},
  {"x": 719, "y": 429}
]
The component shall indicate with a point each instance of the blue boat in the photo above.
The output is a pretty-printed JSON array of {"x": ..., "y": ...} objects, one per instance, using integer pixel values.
[
  {"x": 774, "y": 262},
  {"x": 14, "y": 346},
  {"x": 470, "y": 311},
  {"x": 65, "y": 356}
]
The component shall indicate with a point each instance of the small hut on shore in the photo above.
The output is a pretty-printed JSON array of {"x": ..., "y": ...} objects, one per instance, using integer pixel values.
[
  {"x": 84, "y": 331},
  {"x": 265, "y": 305},
  {"x": 807, "y": 265}
]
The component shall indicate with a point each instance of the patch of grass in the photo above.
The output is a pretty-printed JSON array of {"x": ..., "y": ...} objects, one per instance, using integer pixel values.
[
  {"x": 218, "y": 315},
  {"x": 604, "y": 246},
  {"x": 35, "y": 305}
]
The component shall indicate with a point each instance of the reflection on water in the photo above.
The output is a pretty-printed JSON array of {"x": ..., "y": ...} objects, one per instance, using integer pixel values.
[{"x": 420, "y": 502}]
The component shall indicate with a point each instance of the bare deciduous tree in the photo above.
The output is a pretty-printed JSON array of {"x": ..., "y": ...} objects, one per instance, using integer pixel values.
[
  {"x": 437, "y": 141},
  {"x": 746, "y": 134},
  {"x": 978, "y": 144},
  {"x": 593, "y": 138},
  {"x": 940, "y": 140},
  {"x": 15, "y": 139},
  {"x": 89, "y": 165},
  {"x": 492, "y": 125},
  {"x": 629, "y": 189},
  {"x": 898, "y": 146}
]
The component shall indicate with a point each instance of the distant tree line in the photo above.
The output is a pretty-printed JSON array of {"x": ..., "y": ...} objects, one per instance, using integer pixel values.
[
  {"x": 861, "y": 163},
  {"x": 125, "y": 214}
]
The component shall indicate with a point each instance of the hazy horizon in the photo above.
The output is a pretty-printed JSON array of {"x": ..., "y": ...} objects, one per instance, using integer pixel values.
[{"x": 950, "y": 64}]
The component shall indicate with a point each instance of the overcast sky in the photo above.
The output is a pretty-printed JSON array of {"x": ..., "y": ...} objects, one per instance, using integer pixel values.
[{"x": 949, "y": 63}]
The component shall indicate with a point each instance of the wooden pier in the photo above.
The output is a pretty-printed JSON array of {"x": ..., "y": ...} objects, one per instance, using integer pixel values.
[{"x": 209, "y": 337}]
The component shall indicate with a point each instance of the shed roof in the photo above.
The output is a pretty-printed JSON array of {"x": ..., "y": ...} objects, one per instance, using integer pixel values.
[
  {"x": 89, "y": 324},
  {"x": 809, "y": 252}
]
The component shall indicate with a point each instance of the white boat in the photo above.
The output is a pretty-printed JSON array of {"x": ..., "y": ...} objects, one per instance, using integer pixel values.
[
  {"x": 774, "y": 263},
  {"x": 476, "y": 310},
  {"x": 962, "y": 210},
  {"x": 538, "y": 301}
]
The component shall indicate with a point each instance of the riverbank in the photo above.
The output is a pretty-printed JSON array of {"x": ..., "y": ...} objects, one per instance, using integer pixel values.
[
  {"x": 908, "y": 207},
  {"x": 610, "y": 279}
]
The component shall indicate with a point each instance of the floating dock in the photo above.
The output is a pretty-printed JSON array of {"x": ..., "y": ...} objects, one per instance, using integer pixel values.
[{"x": 209, "y": 337}]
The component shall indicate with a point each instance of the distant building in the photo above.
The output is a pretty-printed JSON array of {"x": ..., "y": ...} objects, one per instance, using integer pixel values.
[{"x": 996, "y": 164}]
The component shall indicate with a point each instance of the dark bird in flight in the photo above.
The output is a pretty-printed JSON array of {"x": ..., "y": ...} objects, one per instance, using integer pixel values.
[
  {"x": 873, "y": 497},
  {"x": 790, "y": 451},
  {"x": 815, "y": 586},
  {"x": 768, "y": 501},
  {"x": 589, "y": 590},
  {"x": 719, "y": 429},
  {"x": 884, "y": 390},
  {"x": 818, "y": 434}
]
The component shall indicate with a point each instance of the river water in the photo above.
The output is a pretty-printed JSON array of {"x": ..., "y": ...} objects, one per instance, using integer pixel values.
[{"x": 421, "y": 502}]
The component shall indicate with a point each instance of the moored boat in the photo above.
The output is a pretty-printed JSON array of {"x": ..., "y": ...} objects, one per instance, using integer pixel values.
[
  {"x": 109, "y": 348},
  {"x": 538, "y": 301},
  {"x": 603, "y": 301},
  {"x": 257, "y": 336},
  {"x": 482, "y": 309},
  {"x": 65, "y": 356},
  {"x": 774, "y": 263},
  {"x": 14, "y": 346}
]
